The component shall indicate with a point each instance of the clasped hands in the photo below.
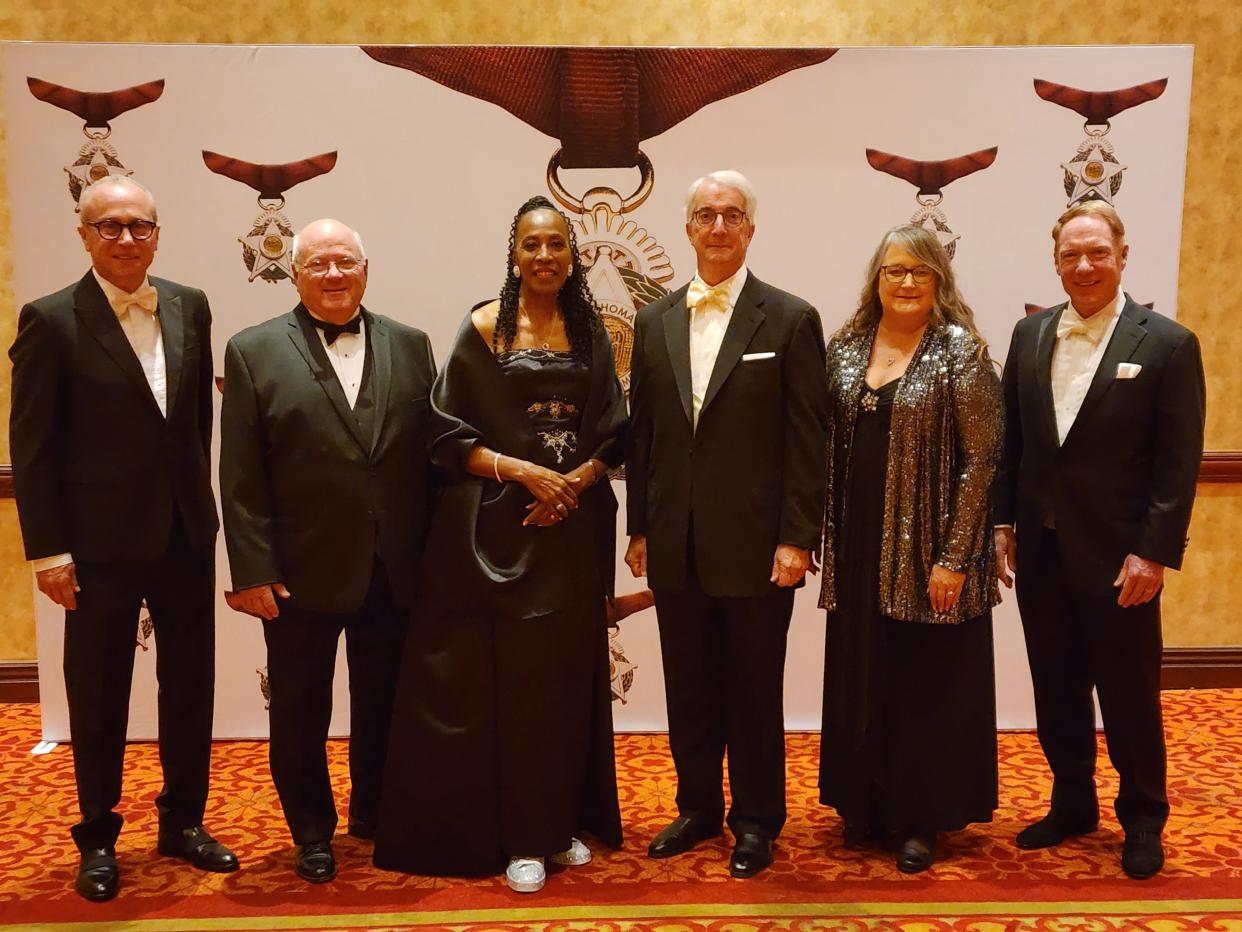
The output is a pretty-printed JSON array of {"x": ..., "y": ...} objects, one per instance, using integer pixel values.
[
  {"x": 556, "y": 494},
  {"x": 1139, "y": 579}
]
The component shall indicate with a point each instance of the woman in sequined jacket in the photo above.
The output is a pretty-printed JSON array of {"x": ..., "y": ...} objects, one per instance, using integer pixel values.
[{"x": 909, "y": 727}]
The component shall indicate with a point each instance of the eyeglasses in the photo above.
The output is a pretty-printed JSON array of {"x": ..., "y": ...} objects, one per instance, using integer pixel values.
[
  {"x": 706, "y": 217},
  {"x": 111, "y": 229},
  {"x": 318, "y": 267},
  {"x": 896, "y": 274}
]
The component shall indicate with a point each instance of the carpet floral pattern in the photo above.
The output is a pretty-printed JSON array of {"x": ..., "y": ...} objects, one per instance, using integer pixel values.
[{"x": 980, "y": 881}]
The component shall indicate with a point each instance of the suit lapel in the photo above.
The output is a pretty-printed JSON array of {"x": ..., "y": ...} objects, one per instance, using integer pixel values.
[
  {"x": 743, "y": 323},
  {"x": 96, "y": 314},
  {"x": 677, "y": 339},
  {"x": 381, "y": 372},
  {"x": 172, "y": 326},
  {"x": 1127, "y": 336},
  {"x": 1043, "y": 372},
  {"x": 301, "y": 333}
]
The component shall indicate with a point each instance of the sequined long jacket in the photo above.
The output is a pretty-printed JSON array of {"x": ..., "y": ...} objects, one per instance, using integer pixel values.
[{"x": 945, "y": 443}]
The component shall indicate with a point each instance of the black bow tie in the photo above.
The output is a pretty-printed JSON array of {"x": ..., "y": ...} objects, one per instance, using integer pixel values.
[{"x": 331, "y": 331}]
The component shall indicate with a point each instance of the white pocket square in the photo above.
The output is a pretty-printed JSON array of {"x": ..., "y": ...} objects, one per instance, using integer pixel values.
[
  {"x": 748, "y": 357},
  {"x": 1128, "y": 370}
]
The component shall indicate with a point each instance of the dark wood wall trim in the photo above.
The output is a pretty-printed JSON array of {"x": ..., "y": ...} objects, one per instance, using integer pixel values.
[
  {"x": 1201, "y": 668},
  {"x": 19, "y": 682},
  {"x": 1183, "y": 668},
  {"x": 1221, "y": 466},
  {"x": 6, "y": 480}
]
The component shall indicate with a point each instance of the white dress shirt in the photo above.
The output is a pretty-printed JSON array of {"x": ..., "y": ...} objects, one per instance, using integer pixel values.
[
  {"x": 711, "y": 308},
  {"x": 348, "y": 355},
  {"x": 138, "y": 315},
  {"x": 142, "y": 329},
  {"x": 1081, "y": 342}
]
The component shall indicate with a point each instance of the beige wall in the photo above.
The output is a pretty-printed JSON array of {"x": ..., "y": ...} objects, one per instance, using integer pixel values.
[{"x": 1197, "y": 607}]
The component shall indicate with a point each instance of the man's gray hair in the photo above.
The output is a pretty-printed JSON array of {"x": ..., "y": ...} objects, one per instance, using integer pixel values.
[
  {"x": 729, "y": 179},
  {"x": 297, "y": 246},
  {"x": 94, "y": 189}
]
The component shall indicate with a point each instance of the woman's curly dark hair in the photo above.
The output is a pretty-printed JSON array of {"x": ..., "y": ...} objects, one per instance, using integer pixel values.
[{"x": 577, "y": 305}]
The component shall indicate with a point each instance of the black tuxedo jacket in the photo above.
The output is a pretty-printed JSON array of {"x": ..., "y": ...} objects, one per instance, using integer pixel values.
[
  {"x": 1124, "y": 479},
  {"x": 307, "y": 500},
  {"x": 98, "y": 471},
  {"x": 753, "y": 474}
]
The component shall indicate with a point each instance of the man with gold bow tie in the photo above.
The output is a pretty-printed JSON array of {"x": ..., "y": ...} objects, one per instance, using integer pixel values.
[
  {"x": 1104, "y": 410},
  {"x": 725, "y": 490},
  {"x": 111, "y": 443}
]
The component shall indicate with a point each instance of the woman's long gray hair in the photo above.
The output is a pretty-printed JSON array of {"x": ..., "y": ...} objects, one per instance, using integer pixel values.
[{"x": 948, "y": 305}]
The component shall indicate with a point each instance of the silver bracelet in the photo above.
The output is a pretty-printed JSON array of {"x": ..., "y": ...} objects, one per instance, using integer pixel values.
[{"x": 496, "y": 466}]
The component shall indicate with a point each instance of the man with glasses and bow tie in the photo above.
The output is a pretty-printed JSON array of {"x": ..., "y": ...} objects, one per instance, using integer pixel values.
[
  {"x": 325, "y": 491},
  {"x": 1104, "y": 410},
  {"x": 725, "y": 489},
  {"x": 110, "y": 434}
]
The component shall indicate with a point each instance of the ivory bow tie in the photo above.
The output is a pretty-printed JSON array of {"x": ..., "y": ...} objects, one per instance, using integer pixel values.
[
  {"x": 145, "y": 298},
  {"x": 1068, "y": 328},
  {"x": 702, "y": 294}
]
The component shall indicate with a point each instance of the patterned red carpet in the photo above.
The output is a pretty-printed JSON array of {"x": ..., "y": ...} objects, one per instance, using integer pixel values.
[{"x": 980, "y": 882}]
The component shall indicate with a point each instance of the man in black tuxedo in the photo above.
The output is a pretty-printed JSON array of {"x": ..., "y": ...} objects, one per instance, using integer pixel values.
[
  {"x": 1104, "y": 410},
  {"x": 111, "y": 442},
  {"x": 324, "y": 485},
  {"x": 725, "y": 489}
]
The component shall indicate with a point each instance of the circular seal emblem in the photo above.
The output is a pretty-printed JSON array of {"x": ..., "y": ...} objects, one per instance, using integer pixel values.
[{"x": 626, "y": 266}]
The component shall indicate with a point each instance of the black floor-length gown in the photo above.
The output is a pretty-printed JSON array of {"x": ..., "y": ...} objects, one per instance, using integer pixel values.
[
  {"x": 502, "y": 730},
  {"x": 909, "y": 723}
]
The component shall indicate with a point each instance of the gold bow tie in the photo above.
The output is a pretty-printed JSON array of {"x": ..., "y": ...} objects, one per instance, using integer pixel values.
[
  {"x": 700, "y": 294},
  {"x": 145, "y": 298}
]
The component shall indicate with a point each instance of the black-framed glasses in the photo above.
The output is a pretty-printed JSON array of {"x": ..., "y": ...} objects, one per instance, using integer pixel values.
[
  {"x": 896, "y": 274},
  {"x": 706, "y": 217},
  {"x": 112, "y": 229},
  {"x": 345, "y": 265}
]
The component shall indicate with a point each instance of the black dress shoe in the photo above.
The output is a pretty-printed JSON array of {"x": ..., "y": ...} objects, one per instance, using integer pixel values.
[
  {"x": 682, "y": 834},
  {"x": 363, "y": 830},
  {"x": 199, "y": 848},
  {"x": 751, "y": 854},
  {"x": 1142, "y": 855},
  {"x": 315, "y": 863},
  {"x": 1050, "y": 831},
  {"x": 97, "y": 874},
  {"x": 916, "y": 853}
]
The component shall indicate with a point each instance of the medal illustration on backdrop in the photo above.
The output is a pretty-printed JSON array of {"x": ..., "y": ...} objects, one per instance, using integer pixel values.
[
  {"x": 1095, "y": 172},
  {"x": 601, "y": 103},
  {"x": 97, "y": 158},
  {"x": 267, "y": 248},
  {"x": 931, "y": 178}
]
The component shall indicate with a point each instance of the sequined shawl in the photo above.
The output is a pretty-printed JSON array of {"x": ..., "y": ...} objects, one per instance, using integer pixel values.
[{"x": 944, "y": 446}]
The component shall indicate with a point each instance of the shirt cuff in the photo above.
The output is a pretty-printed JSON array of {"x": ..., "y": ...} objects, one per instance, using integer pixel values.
[
  {"x": 997, "y": 527},
  {"x": 50, "y": 563}
]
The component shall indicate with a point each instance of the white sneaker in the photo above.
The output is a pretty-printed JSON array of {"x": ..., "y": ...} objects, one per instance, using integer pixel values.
[
  {"x": 575, "y": 855},
  {"x": 525, "y": 875}
]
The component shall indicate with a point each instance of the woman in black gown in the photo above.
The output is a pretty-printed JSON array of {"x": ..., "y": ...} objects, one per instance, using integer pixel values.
[
  {"x": 501, "y": 745},
  {"x": 909, "y": 727}
]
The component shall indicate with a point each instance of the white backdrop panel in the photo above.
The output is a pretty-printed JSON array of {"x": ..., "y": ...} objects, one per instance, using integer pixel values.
[{"x": 431, "y": 178}]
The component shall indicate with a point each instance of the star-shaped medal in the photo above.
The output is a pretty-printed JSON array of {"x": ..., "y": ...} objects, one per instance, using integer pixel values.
[
  {"x": 91, "y": 166},
  {"x": 946, "y": 236},
  {"x": 1092, "y": 176},
  {"x": 270, "y": 248}
]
